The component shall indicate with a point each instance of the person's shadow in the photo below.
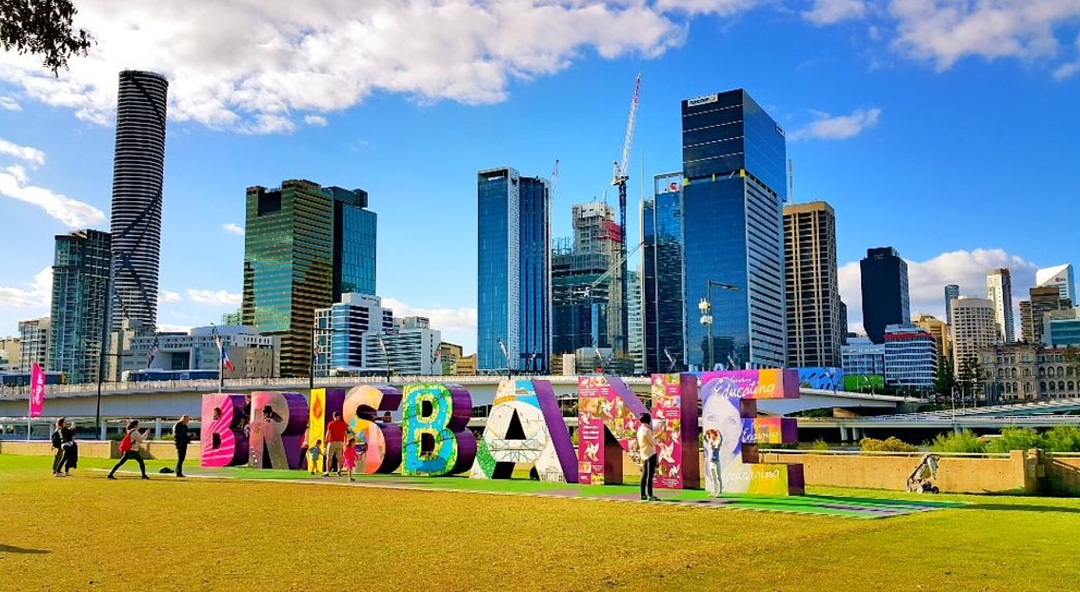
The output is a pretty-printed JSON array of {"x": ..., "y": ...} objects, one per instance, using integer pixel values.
[{"x": 21, "y": 551}]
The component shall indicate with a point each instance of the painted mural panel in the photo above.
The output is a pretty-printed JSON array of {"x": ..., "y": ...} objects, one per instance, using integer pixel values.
[
  {"x": 222, "y": 442},
  {"x": 608, "y": 414},
  {"x": 435, "y": 436},
  {"x": 363, "y": 410},
  {"x": 675, "y": 410},
  {"x": 525, "y": 426},
  {"x": 733, "y": 430},
  {"x": 278, "y": 423},
  {"x": 821, "y": 378},
  {"x": 324, "y": 403}
]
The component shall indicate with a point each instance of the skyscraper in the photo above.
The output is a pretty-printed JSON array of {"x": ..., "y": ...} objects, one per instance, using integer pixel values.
[
  {"x": 884, "y": 292},
  {"x": 940, "y": 332},
  {"x": 664, "y": 300},
  {"x": 79, "y": 304},
  {"x": 341, "y": 327},
  {"x": 734, "y": 184},
  {"x": 303, "y": 245},
  {"x": 972, "y": 330},
  {"x": 513, "y": 271},
  {"x": 34, "y": 343},
  {"x": 138, "y": 168},
  {"x": 813, "y": 296},
  {"x": 1060, "y": 276},
  {"x": 634, "y": 330},
  {"x": 952, "y": 292},
  {"x": 999, "y": 291},
  {"x": 1041, "y": 300},
  {"x": 583, "y": 281}
]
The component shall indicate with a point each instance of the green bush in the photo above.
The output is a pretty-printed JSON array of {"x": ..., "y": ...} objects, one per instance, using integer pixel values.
[
  {"x": 819, "y": 444},
  {"x": 1062, "y": 439},
  {"x": 891, "y": 444},
  {"x": 965, "y": 441},
  {"x": 1015, "y": 439}
]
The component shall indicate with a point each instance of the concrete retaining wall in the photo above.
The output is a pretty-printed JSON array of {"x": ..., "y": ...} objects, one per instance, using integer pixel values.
[
  {"x": 1016, "y": 473},
  {"x": 155, "y": 449},
  {"x": 1062, "y": 474}
]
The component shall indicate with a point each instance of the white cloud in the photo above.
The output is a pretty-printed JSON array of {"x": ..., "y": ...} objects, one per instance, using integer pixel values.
[
  {"x": 458, "y": 325},
  {"x": 828, "y": 12},
  {"x": 233, "y": 228},
  {"x": 36, "y": 294},
  {"x": 317, "y": 120},
  {"x": 317, "y": 58},
  {"x": 25, "y": 153},
  {"x": 945, "y": 31},
  {"x": 14, "y": 183},
  {"x": 214, "y": 298},
  {"x": 9, "y": 104},
  {"x": 167, "y": 297},
  {"x": 927, "y": 280},
  {"x": 840, "y": 127}
]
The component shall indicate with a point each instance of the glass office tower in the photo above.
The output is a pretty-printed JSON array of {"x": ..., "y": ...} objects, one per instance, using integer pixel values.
[
  {"x": 79, "y": 304},
  {"x": 513, "y": 271},
  {"x": 885, "y": 301},
  {"x": 303, "y": 244},
  {"x": 733, "y": 191},
  {"x": 662, "y": 282}
]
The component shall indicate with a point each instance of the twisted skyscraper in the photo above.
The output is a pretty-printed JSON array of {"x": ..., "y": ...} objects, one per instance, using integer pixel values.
[{"x": 136, "y": 200}]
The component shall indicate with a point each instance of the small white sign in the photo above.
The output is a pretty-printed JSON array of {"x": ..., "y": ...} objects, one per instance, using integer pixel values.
[{"x": 702, "y": 100}]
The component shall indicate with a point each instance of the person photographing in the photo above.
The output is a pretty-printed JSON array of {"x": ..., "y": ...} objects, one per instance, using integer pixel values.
[{"x": 181, "y": 438}]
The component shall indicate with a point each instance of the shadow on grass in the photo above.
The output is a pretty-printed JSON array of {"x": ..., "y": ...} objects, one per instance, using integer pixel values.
[
  {"x": 21, "y": 551},
  {"x": 1022, "y": 508}
]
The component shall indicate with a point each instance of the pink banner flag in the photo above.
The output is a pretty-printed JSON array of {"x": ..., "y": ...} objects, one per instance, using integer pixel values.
[{"x": 37, "y": 390}]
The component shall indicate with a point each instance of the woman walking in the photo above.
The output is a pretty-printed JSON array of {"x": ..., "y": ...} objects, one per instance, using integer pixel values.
[
  {"x": 129, "y": 447},
  {"x": 647, "y": 446},
  {"x": 70, "y": 448}
]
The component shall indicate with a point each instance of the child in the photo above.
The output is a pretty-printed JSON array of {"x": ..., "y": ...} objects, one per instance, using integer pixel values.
[
  {"x": 348, "y": 457},
  {"x": 313, "y": 457}
]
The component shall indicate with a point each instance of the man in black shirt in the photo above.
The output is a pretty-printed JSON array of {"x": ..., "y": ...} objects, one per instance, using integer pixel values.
[{"x": 181, "y": 437}]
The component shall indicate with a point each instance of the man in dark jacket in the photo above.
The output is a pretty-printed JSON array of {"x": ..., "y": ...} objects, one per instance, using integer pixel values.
[{"x": 181, "y": 437}]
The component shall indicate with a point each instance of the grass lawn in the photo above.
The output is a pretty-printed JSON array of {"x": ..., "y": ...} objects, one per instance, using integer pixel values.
[{"x": 86, "y": 532}]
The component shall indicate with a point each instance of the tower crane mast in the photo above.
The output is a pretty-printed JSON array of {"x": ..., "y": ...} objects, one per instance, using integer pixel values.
[{"x": 619, "y": 179}]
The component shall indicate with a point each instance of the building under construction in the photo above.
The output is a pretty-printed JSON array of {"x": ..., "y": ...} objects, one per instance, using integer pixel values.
[{"x": 586, "y": 293}]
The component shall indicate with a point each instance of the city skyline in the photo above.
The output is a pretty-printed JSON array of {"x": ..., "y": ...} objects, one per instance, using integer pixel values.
[{"x": 50, "y": 146}]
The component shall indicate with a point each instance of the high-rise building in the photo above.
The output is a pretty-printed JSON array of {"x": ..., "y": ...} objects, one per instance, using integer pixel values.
[
  {"x": 138, "y": 169},
  {"x": 80, "y": 304},
  {"x": 973, "y": 328},
  {"x": 1060, "y": 276},
  {"x": 1041, "y": 300},
  {"x": 304, "y": 245},
  {"x": 410, "y": 351},
  {"x": 233, "y": 318},
  {"x": 664, "y": 309},
  {"x": 583, "y": 281},
  {"x": 952, "y": 292},
  {"x": 340, "y": 329},
  {"x": 635, "y": 331},
  {"x": 999, "y": 291},
  {"x": 843, "y": 324},
  {"x": 911, "y": 357},
  {"x": 449, "y": 354},
  {"x": 885, "y": 298},
  {"x": 1061, "y": 328},
  {"x": 734, "y": 185},
  {"x": 940, "y": 332},
  {"x": 34, "y": 343},
  {"x": 10, "y": 352},
  {"x": 814, "y": 328},
  {"x": 513, "y": 271}
]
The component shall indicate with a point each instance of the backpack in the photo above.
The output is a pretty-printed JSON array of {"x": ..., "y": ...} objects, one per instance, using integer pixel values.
[
  {"x": 56, "y": 439},
  {"x": 125, "y": 444}
]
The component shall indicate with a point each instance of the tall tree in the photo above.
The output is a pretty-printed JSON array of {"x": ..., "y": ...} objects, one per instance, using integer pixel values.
[
  {"x": 946, "y": 380},
  {"x": 43, "y": 28}
]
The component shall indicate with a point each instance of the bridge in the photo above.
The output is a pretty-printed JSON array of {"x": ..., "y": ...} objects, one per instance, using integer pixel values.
[{"x": 175, "y": 398}]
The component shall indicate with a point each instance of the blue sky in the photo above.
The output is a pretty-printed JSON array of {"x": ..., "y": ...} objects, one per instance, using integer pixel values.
[{"x": 945, "y": 128}]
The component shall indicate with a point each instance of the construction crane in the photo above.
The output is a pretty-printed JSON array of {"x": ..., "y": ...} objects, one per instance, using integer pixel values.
[{"x": 619, "y": 179}]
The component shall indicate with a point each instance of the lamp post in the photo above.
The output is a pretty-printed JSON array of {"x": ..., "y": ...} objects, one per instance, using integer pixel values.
[{"x": 705, "y": 306}]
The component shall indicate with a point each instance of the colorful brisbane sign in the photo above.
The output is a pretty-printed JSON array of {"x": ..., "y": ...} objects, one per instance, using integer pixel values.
[{"x": 524, "y": 428}]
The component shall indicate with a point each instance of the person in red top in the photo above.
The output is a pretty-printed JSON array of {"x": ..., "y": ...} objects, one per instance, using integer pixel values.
[{"x": 336, "y": 433}]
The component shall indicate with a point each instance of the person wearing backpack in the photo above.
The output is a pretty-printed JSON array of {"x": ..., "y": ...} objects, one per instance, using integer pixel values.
[
  {"x": 58, "y": 447},
  {"x": 129, "y": 448}
]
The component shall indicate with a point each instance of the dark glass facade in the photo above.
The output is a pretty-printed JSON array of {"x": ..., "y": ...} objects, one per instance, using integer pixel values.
[
  {"x": 884, "y": 292},
  {"x": 733, "y": 190},
  {"x": 662, "y": 285},
  {"x": 79, "y": 304},
  {"x": 513, "y": 271},
  {"x": 303, "y": 243}
]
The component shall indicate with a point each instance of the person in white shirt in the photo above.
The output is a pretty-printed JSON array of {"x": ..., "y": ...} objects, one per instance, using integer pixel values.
[
  {"x": 647, "y": 447},
  {"x": 135, "y": 437}
]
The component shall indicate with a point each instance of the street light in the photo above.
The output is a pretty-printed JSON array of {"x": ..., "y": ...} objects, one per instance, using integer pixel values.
[
  {"x": 506, "y": 355},
  {"x": 705, "y": 306}
]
